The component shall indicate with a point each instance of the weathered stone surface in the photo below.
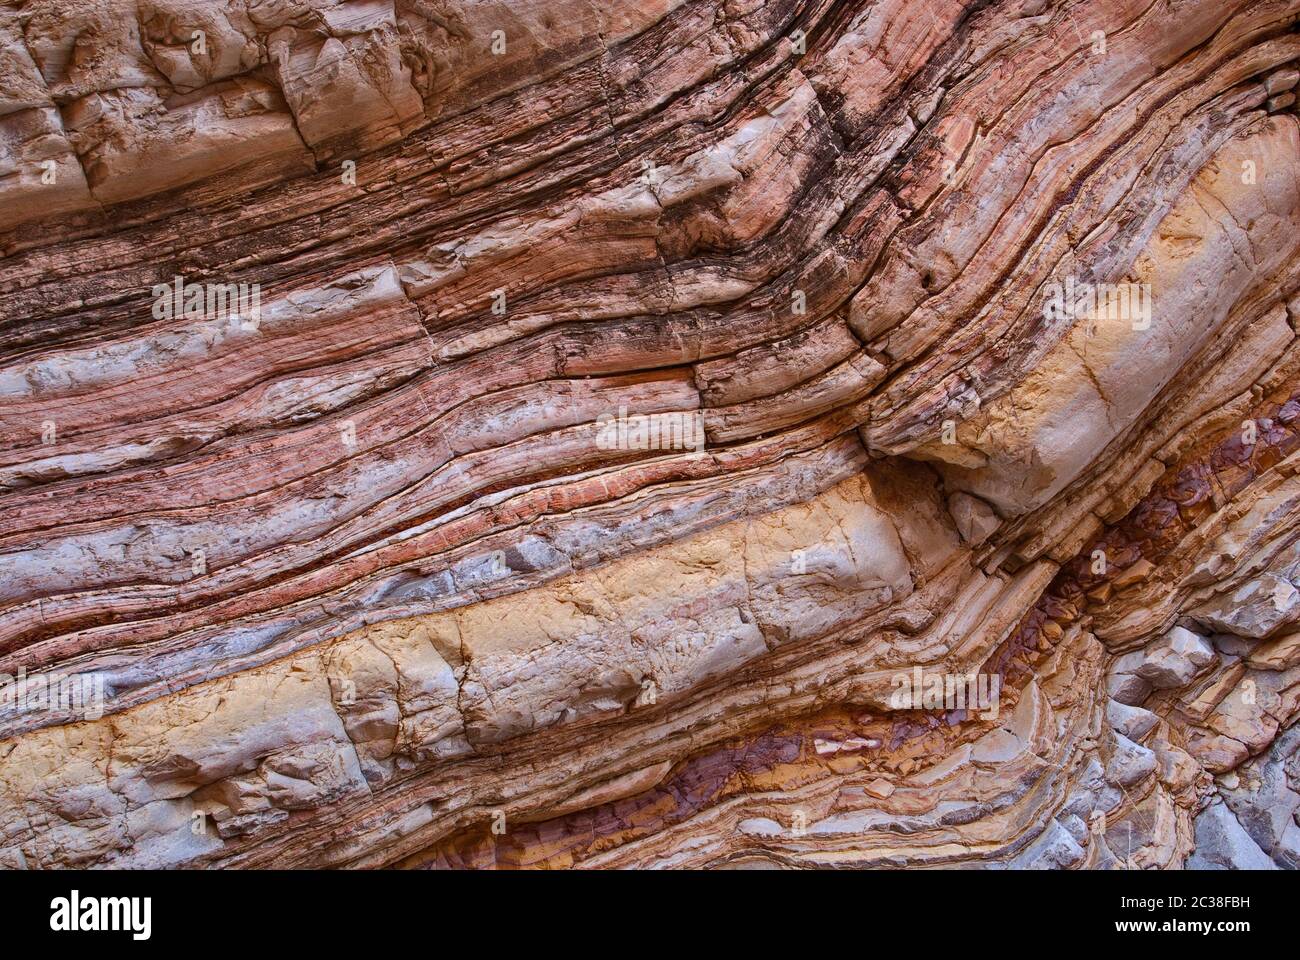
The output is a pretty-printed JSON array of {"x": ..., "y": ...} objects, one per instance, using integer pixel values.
[
  {"x": 1174, "y": 659},
  {"x": 1134, "y": 722},
  {"x": 1222, "y": 844},
  {"x": 1266, "y": 799},
  {"x": 1129, "y": 763},
  {"x": 675, "y": 433},
  {"x": 1255, "y": 609},
  {"x": 1282, "y": 653},
  {"x": 975, "y": 519},
  {"x": 1124, "y": 684}
]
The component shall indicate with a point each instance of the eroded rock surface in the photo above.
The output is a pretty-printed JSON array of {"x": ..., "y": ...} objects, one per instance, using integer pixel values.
[{"x": 692, "y": 433}]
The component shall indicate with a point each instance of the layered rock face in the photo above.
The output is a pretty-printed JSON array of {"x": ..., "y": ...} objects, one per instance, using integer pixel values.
[{"x": 679, "y": 433}]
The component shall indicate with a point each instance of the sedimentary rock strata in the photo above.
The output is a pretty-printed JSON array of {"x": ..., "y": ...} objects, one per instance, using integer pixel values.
[{"x": 691, "y": 433}]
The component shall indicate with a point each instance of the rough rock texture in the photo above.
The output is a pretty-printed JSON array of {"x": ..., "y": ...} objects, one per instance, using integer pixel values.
[{"x": 637, "y": 398}]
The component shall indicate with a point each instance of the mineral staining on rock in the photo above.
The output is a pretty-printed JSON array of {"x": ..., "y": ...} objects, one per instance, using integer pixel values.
[{"x": 695, "y": 433}]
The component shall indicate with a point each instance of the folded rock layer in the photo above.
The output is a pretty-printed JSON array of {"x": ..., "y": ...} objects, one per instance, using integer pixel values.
[{"x": 690, "y": 433}]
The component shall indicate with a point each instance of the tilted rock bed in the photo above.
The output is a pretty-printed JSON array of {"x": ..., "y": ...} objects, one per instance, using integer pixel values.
[{"x": 449, "y": 434}]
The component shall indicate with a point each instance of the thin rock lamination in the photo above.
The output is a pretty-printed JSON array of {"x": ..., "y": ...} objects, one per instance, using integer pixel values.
[{"x": 732, "y": 434}]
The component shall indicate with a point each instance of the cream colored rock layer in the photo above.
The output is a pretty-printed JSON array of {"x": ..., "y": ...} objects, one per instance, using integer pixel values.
[
  {"x": 1231, "y": 232},
  {"x": 253, "y": 748}
]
